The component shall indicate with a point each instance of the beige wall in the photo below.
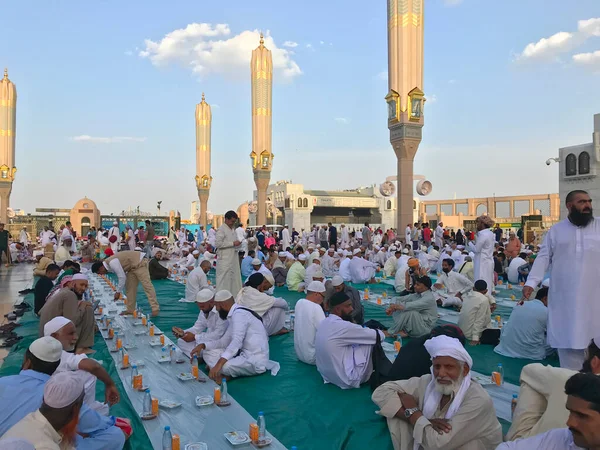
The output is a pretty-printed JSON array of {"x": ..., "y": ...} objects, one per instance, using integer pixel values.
[{"x": 84, "y": 208}]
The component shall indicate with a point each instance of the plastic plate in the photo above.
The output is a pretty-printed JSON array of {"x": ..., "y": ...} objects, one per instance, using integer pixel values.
[
  {"x": 204, "y": 400},
  {"x": 237, "y": 437},
  {"x": 169, "y": 404}
]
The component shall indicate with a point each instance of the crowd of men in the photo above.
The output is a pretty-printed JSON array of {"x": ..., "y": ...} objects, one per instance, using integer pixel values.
[{"x": 426, "y": 395}]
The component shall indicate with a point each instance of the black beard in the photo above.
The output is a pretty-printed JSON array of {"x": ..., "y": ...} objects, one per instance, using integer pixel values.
[
  {"x": 79, "y": 296},
  {"x": 446, "y": 271},
  {"x": 587, "y": 366},
  {"x": 223, "y": 314},
  {"x": 346, "y": 317},
  {"x": 580, "y": 219}
]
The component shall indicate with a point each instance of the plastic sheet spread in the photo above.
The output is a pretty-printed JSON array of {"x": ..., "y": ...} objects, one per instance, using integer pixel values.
[{"x": 192, "y": 423}]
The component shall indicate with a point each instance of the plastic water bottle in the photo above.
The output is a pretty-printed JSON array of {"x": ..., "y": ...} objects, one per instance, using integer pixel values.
[
  {"x": 292, "y": 318},
  {"x": 173, "y": 353},
  {"x": 167, "y": 443},
  {"x": 513, "y": 405},
  {"x": 262, "y": 427},
  {"x": 134, "y": 373},
  {"x": 294, "y": 447},
  {"x": 147, "y": 403},
  {"x": 500, "y": 370},
  {"x": 224, "y": 397}
]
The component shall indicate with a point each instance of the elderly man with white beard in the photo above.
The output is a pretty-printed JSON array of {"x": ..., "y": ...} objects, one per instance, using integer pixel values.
[{"x": 443, "y": 410}]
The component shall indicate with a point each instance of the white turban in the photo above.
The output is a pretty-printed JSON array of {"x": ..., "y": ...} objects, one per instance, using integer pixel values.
[
  {"x": 55, "y": 324},
  {"x": 205, "y": 295},
  {"x": 195, "y": 253},
  {"x": 337, "y": 280},
  {"x": 269, "y": 278},
  {"x": 256, "y": 262},
  {"x": 79, "y": 276},
  {"x": 62, "y": 389},
  {"x": 282, "y": 254},
  {"x": 447, "y": 346},
  {"x": 156, "y": 250},
  {"x": 222, "y": 296},
  {"x": 47, "y": 349},
  {"x": 356, "y": 251},
  {"x": 302, "y": 257}
]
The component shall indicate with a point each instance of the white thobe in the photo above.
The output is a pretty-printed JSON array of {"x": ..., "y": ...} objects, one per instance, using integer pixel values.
[
  {"x": 400, "y": 278},
  {"x": 69, "y": 362},
  {"x": 407, "y": 235},
  {"x": 47, "y": 237},
  {"x": 310, "y": 271},
  {"x": 483, "y": 262},
  {"x": 345, "y": 269},
  {"x": 457, "y": 257},
  {"x": 328, "y": 266},
  {"x": 390, "y": 265},
  {"x": 263, "y": 270},
  {"x": 228, "y": 262},
  {"x": 379, "y": 258},
  {"x": 114, "y": 231},
  {"x": 285, "y": 238},
  {"x": 187, "y": 261},
  {"x": 343, "y": 352},
  {"x": 454, "y": 283},
  {"x": 513, "y": 269},
  {"x": 206, "y": 329},
  {"x": 131, "y": 239},
  {"x": 245, "y": 337},
  {"x": 439, "y": 236},
  {"x": 196, "y": 281},
  {"x": 308, "y": 316},
  {"x": 474, "y": 316},
  {"x": 345, "y": 237},
  {"x": 212, "y": 237},
  {"x": 66, "y": 234},
  {"x": 181, "y": 237},
  {"x": 23, "y": 238},
  {"x": 361, "y": 270},
  {"x": 559, "y": 439},
  {"x": 572, "y": 254}
]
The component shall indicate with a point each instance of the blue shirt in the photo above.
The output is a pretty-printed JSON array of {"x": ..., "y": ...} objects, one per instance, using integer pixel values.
[
  {"x": 246, "y": 268},
  {"x": 524, "y": 336},
  {"x": 23, "y": 394}
]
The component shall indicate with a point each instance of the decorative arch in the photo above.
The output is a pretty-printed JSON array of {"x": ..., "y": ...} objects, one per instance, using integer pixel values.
[
  {"x": 481, "y": 209},
  {"x": 305, "y": 202},
  {"x": 299, "y": 202},
  {"x": 389, "y": 204},
  {"x": 571, "y": 165},
  {"x": 584, "y": 163}
]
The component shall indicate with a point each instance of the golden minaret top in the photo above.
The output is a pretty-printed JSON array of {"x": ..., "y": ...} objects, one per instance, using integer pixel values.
[
  {"x": 262, "y": 40},
  {"x": 5, "y": 73}
]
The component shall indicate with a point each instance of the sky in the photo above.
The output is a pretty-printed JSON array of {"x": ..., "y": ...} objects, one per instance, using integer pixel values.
[{"x": 107, "y": 93}]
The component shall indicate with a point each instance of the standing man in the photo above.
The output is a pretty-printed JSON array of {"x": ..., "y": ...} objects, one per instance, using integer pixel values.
[
  {"x": 113, "y": 237},
  {"x": 200, "y": 237},
  {"x": 414, "y": 236},
  {"x": 4, "y": 236},
  {"x": 345, "y": 236},
  {"x": 483, "y": 265},
  {"x": 285, "y": 237},
  {"x": 366, "y": 236},
  {"x": 150, "y": 233},
  {"x": 408, "y": 233},
  {"x": 332, "y": 236},
  {"x": 439, "y": 235},
  {"x": 323, "y": 236},
  {"x": 229, "y": 277},
  {"x": 571, "y": 252},
  {"x": 132, "y": 269}
]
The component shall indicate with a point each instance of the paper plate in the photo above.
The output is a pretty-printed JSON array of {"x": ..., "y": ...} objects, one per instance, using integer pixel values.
[
  {"x": 204, "y": 400},
  {"x": 237, "y": 437},
  {"x": 164, "y": 359},
  {"x": 169, "y": 404},
  {"x": 155, "y": 343},
  {"x": 185, "y": 376},
  {"x": 196, "y": 446}
]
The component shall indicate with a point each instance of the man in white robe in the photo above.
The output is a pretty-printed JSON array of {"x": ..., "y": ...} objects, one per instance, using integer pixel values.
[
  {"x": 196, "y": 282},
  {"x": 439, "y": 235},
  {"x": 285, "y": 237},
  {"x": 475, "y": 313},
  {"x": 345, "y": 266},
  {"x": 451, "y": 285},
  {"x": 272, "y": 310},
  {"x": 114, "y": 231},
  {"x": 47, "y": 236},
  {"x": 245, "y": 343},
  {"x": 344, "y": 235},
  {"x": 66, "y": 233},
  {"x": 181, "y": 236},
  {"x": 328, "y": 265},
  {"x": 308, "y": 315},
  {"x": 229, "y": 277},
  {"x": 208, "y": 327},
  {"x": 311, "y": 270},
  {"x": 441, "y": 410},
  {"x": 259, "y": 267},
  {"x": 483, "y": 262},
  {"x": 407, "y": 234},
  {"x": 24, "y": 237},
  {"x": 571, "y": 250},
  {"x": 361, "y": 270},
  {"x": 391, "y": 264},
  {"x": 342, "y": 348}
]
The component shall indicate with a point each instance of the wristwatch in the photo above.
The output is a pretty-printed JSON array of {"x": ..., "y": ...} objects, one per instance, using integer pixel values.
[{"x": 409, "y": 412}]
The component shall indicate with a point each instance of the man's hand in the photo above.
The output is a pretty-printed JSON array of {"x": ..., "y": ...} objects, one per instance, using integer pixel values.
[
  {"x": 493, "y": 307},
  {"x": 117, "y": 295},
  {"x": 188, "y": 336},
  {"x": 441, "y": 425},
  {"x": 458, "y": 295},
  {"x": 111, "y": 394},
  {"x": 178, "y": 332},
  {"x": 236, "y": 243},
  {"x": 438, "y": 286},
  {"x": 215, "y": 372},
  {"x": 197, "y": 350},
  {"x": 473, "y": 342},
  {"x": 527, "y": 291},
  {"x": 408, "y": 401}
]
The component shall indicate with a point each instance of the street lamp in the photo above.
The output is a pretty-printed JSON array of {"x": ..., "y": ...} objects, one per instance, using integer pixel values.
[{"x": 549, "y": 161}]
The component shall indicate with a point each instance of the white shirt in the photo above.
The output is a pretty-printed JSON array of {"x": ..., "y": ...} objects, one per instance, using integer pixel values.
[
  {"x": 187, "y": 261},
  {"x": 439, "y": 233},
  {"x": 400, "y": 279},
  {"x": 455, "y": 283},
  {"x": 513, "y": 272},
  {"x": 208, "y": 328},
  {"x": 263, "y": 270},
  {"x": 572, "y": 254},
  {"x": 246, "y": 333},
  {"x": 343, "y": 352},
  {"x": 115, "y": 266},
  {"x": 483, "y": 261},
  {"x": 35, "y": 429},
  {"x": 69, "y": 361},
  {"x": 559, "y": 439},
  {"x": 345, "y": 269},
  {"x": 196, "y": 281},
  {"x": 361, "y": 270},
  {"x": 474, "y": 315},
  {"x": 308, "y": 316}
]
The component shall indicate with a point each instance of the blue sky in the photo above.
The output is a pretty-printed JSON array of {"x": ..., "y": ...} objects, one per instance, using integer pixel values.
[{"x": 106, "y": 105}]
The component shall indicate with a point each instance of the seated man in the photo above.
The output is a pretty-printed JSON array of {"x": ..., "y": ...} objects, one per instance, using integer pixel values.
[
  {"x": 246, "y": 267},
  {"x": 451, "y": 285},
  {"x": 208, "y": 327},
  {"x": 308, "y": 315},
  {"x": 271, "y": 310},
  {"x": 196, "y": 282},
  {"x": 24, "y": 393},
  {"x": 524, "y": 336},
  {"x": 583, "y": 405},
  {"x": 295, "y": 275},
  {"x": 53, "y": 425},
  {"x": 361, "y": 270},
  {"x": 68, "y": 303},
  {"x": 244, "y": 348},
  {"x": 155, "y": 268},
  {"x": 524, "y": 269},
  {"x": 541, "y": 405},
  {"x": 63, "y": 330},
  {"x": 467, "y": 268},
  {"x": 475, "y": 313},
  {"x": 41, "y": 263},
  {"x": 328, "y": 263},
  {"x": 390, "y": 266},
  {"x": 280, "y": 269},
  {"x": 441, "y": 410},
  {"x": 259, "y": 267},
  {"x": 43, "y": 287},
  {"x": 343, "y": 349},
  {"x": 345, "y": 266},
  {"x": 337, "y": 285},
  {"x": 417, "y": 313},
  {"x": 63, "y": 252},
  {"x": 406, "y": 276},
  {"x": 513, "y": 267},
  {"x": 187, "y": 259}
]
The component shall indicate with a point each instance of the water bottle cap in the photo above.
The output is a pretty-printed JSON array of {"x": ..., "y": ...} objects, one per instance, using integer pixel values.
[
  {"x": 147, "y": 391},
  {"x": 499, "y": 364},
  {"x": 167, "y": 428},
  {"x": 260, "y": 413},
  {"x": 134, "y": 366},
  {"x": 294, "y": 447},
  {"x": 224, "y": 380},
  {"x": 515, "y": 396}
]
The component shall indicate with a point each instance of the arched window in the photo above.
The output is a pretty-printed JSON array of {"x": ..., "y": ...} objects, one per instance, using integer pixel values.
[
  {"x": 305, "y": 203},
  {"x": 481, "y": 209},
  {"x": 299, "y": 203},
  {"x": 389, "y": 204},
  {"x": 584, "y": 163},
  {"x": 571, "y": 165}
]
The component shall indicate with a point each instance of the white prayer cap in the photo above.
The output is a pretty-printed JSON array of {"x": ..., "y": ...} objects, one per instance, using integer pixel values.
[
  {"x": 282, "y": 254},
  {"x": 269, "y": 278},
  {"x": 46, "y": 348},
  {"x": 38, "y": 253},
  {"x": 447, "y": 346},
  {"x": 546, "y": 283},
  {"x": 356, "y": 251},
  {"x": 156, "y": 250},
  {"x": 195, "y": 252},
  {"x": 340, "y": 252},
  {"x": 424, "y": 248},
  {"x": 301, "y": 257},
  {"x": 393, "y": 248},
  {"x": 382, "y": 249},
  {"x": 405, "y": 251},
  {"x": 55, "y": 324},
  {"x": 311, "y": 247},
  {"x": 318, "y": 274},
  {"x": 316, "y": 286},
  {"x": 185, "y": 249},
  {"x": 62, "y": 389},
  {"x": 376, "y": 247},
  {"x": 223, "y": 296},
  {"x": 115, "y": 223},
  {"x": 256, "y": 262},
  {"x": 322, "y": 249},
  {"x": 337, "y": 280},
  {"x": 205, "y": 295},
  {"x": 331, "y": 249},
  {"x": 16, "y": 444},
  {"x": 286, "y": 225},
  {"x": 460, "y": 247},
  {"x": 138, "y": 249},
  {"x": 79, "y": 276}
]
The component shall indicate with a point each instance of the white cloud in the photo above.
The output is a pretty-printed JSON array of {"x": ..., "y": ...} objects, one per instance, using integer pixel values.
[
  {"x": 208, "y": 49},
  {"x": 590, "y": 27},
  {"x": 452, "y": 2},
  {"x": 431, "y": 98},
  {"x": 383, "y": 75},
  {"x": 590, "y": 60},
  {"x": 342, "y": 120},
  {"x": 321, "y": 42},
  {"x": 290, "y": 44},
  {"x": 107, "y": 140},
  {"x": 309, "y": 46}
]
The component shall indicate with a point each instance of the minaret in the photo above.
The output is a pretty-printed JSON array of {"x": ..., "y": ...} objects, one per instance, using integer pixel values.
[
  {"x": 261, "y": 69},
  {"x": 405, "y": 97},
  {"x": 203, "y": 178},
  {"x": 8, "y": 128}
]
